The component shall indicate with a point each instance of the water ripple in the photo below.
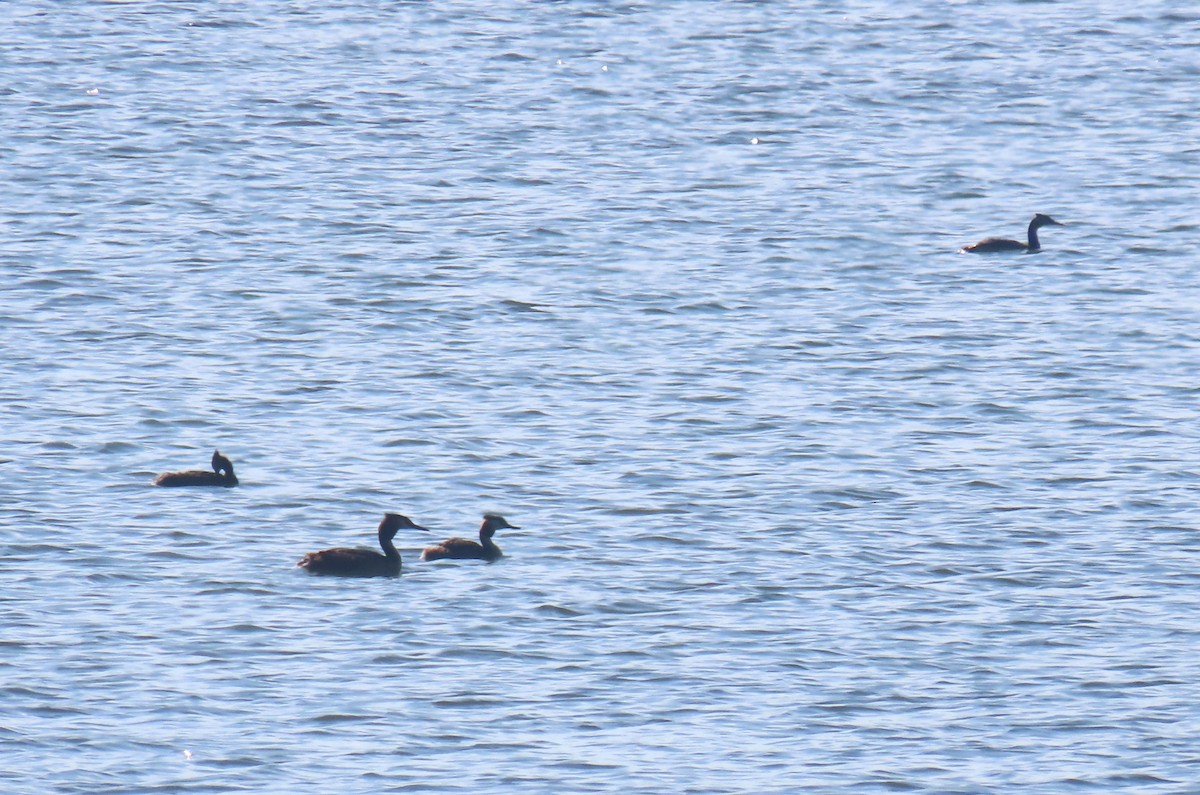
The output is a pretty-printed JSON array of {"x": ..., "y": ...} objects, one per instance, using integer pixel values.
[{"x": 808, "y": 501}]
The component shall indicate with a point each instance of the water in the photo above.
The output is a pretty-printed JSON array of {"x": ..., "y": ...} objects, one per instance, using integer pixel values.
[{"x": 809, "y": 501}]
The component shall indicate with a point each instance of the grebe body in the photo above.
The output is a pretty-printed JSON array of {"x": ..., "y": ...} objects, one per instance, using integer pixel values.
[{"x": 465, "y": 549}]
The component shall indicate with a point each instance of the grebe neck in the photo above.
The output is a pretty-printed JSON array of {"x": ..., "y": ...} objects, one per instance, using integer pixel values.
[
  {"x": 389, "y": 549},
  {"x": 1034, "y": 244}
]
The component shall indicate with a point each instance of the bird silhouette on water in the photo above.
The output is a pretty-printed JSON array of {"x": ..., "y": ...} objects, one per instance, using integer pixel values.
[
  {"x": 997, "y": 245},
  {"x": 465, "y": 549},
  {"x": 221, "y": 475},
  {"x": 356, "y": 562}
]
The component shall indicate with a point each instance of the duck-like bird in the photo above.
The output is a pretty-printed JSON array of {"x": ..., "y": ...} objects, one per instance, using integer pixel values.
[
  {"x": 221, "y": 475},
  {"x": 465, "y": 549},
  {"x": 994, "y": 245},
  {"x": 354, "y": 562}
]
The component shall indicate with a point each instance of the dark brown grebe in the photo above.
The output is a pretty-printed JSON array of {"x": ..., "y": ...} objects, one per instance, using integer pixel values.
[
  {"x": 993, "y": 245},
  {"x": 221, "y": 475},
  {"x": 350, "y": 562},
  {"x": 463, "y": 549}
]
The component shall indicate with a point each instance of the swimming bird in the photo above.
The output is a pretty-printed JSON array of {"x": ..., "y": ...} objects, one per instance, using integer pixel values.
[
  {"x": 463, "y": 549},
  {"x": 353, "y": 562},
  {"x": 221, "y": 475},
  {"x": 993, "y": 245}
]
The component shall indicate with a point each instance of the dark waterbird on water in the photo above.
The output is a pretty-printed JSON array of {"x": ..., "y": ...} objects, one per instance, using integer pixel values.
[
  {"x": 994, "y": 245},
  {"x": 465, "y": 549},
  {"x": 221, "y": 475},
  {"x": 353, "y": 562}
]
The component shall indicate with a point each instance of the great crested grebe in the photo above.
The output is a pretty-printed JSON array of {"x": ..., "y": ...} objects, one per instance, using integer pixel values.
[
  {"x": 994, "y": 245},
  {"x": 354, "y": 562},
  {"x": 221, "y": 475},
  {"x": 464, "y": 549}
]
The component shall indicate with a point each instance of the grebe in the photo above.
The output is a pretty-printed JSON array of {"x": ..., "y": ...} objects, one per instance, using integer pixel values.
[
  {"x": 221, "y": 475},
  {"x": 996, "y": 244},
  {"x": 462, "y": 549},
  {"x": 350, "y": 562}
]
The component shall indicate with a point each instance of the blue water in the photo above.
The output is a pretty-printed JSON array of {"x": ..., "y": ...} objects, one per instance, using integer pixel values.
[{"x": 808, "y": 500}]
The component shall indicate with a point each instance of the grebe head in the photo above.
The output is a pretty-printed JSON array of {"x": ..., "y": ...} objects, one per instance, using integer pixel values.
[
  {"x": 1041, "y": 219},
  {"x": 393, "y": 523},
  {"x": 493, "y": 522},
  {"x": 220, "y": 462}
]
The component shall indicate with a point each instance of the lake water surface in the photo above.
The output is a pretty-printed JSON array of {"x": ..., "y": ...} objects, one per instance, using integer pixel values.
[{"x": 809, "y": 501}]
